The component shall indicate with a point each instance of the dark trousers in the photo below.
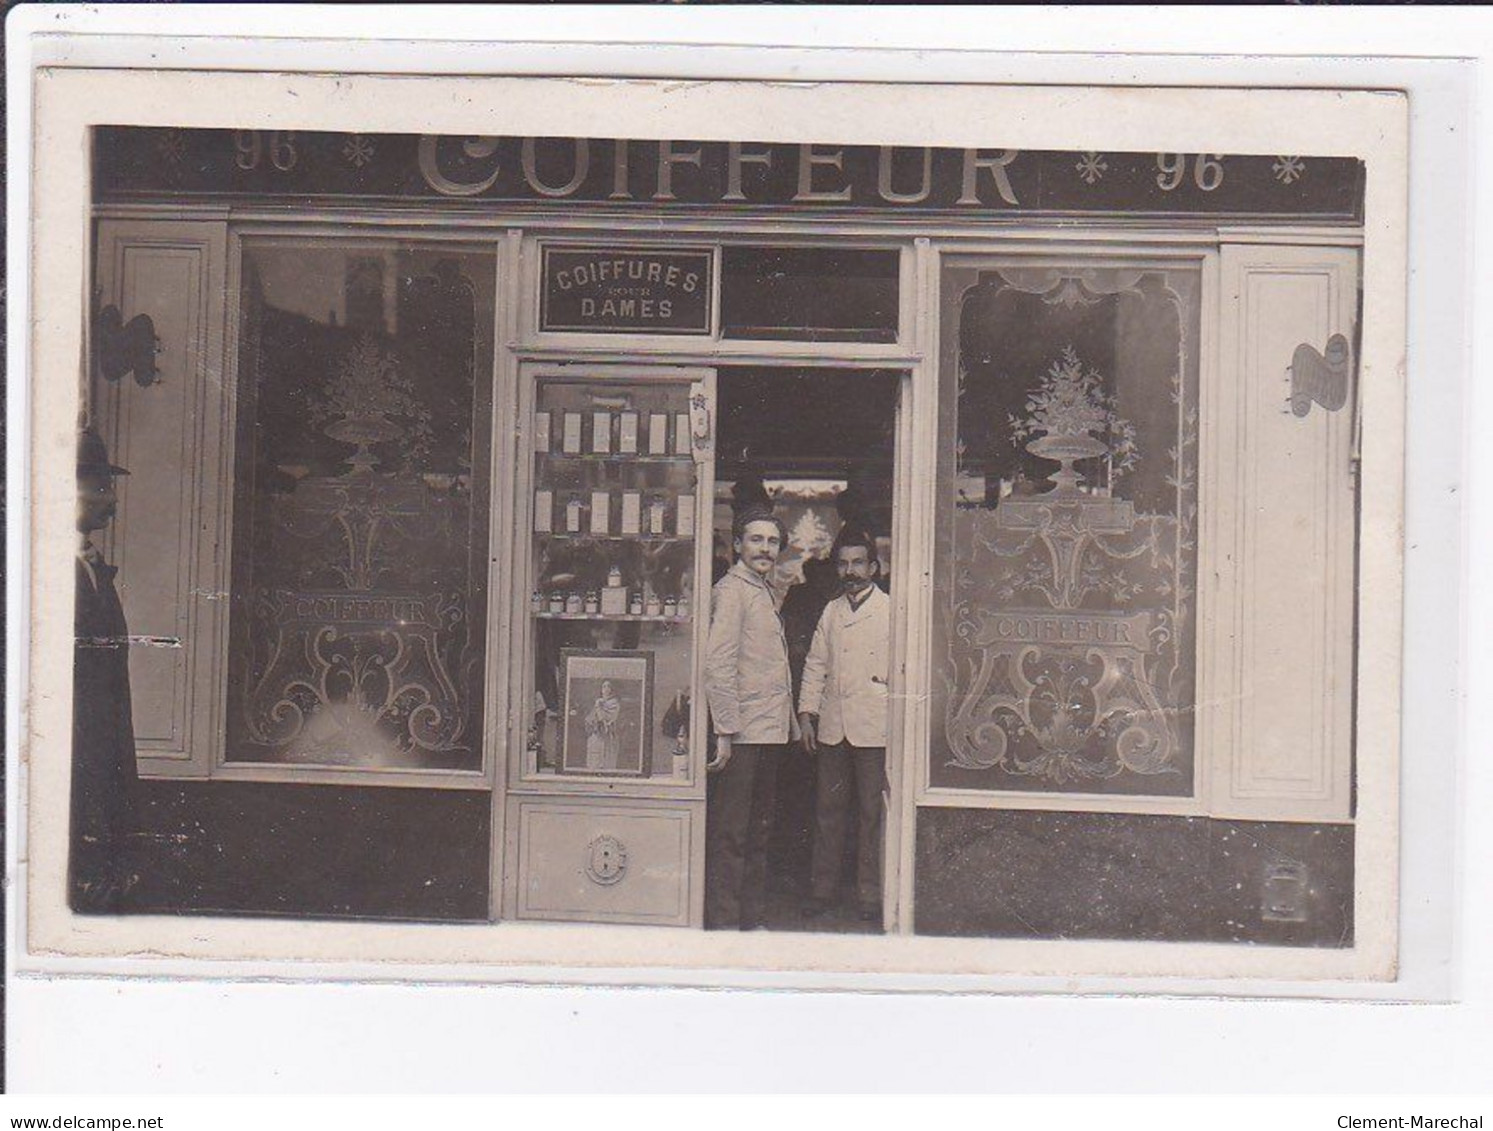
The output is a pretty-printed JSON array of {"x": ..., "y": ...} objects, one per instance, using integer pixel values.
[
  {"x": 848, "y": 772},
  {"x": 738, "y": 820}
]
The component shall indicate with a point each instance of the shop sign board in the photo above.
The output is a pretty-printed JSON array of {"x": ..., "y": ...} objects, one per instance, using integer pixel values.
[
  {"x": 602, "y": 290},
  {"x": 619, "y": 173}
]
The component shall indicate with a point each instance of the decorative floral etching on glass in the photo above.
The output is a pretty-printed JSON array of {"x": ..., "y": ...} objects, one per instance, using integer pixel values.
[
  {"x": 1067, "y": 531},
  {"x": 360, "y": 572}
]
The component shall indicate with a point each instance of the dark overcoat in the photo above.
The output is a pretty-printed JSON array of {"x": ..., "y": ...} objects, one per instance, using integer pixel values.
[{"x": 104, "y": 778}]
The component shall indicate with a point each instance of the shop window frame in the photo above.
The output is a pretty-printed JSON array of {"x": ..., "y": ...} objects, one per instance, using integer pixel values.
[
  {"x": 478, "y": 779},
  {"x": 1212, "y": 758}
]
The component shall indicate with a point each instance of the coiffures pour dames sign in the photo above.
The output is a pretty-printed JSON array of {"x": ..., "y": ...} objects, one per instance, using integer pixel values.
[{"x": 608, "y": 290}]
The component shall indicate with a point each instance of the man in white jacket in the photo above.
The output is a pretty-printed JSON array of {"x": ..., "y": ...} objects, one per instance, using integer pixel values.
[
  {"x": 750, "y": 691},
  {"x": 843, "y": 717}
]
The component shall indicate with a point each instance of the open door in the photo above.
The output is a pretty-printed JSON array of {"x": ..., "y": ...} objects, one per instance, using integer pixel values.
[{"x": 819, "y": 444}]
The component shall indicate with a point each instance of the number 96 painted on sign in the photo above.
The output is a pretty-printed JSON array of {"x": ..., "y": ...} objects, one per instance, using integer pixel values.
[
  {"x": 251, "y": 148},
  {"x": 1207, "y": 170}
]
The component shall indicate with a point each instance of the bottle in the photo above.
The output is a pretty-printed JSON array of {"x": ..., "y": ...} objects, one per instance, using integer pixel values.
[
  {"x": 652, "y": 606},
  {"x": 593, "y": 602},
  {"x": 536, "y": 602},
  {"x": 572, "y": 602},
  {"x": 544, "y": 511},
  {"x": 627, "y": 433},
  {"x": 635, "y": 605},
  {"x": 676, "y": 726},
  {"x": 671, "y": 607},
  {"x": 683, "y": 607},
  {"x": 557, "y": 602},
  {"x": 614, "y": 597}
]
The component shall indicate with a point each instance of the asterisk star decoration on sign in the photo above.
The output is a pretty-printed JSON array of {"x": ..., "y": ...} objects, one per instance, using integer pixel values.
[
  {"x": 1091, "y": 166},
  {"x": 1288, "y": 170},
  {"x": 172, "y": 146},
  {"x": 358, "y": 150}
]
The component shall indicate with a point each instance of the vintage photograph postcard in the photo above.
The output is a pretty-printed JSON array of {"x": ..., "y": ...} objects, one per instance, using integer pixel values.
[{"x": 662, "y": 531}]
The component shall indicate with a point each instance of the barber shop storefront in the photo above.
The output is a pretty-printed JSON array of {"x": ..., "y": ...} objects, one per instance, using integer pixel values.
[{"x": 434, "y": 462}]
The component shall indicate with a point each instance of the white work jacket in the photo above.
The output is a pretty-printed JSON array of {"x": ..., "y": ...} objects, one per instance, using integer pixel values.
[
  {"x": 747, "y": 681},
  {"x": 845, "y": 674}
]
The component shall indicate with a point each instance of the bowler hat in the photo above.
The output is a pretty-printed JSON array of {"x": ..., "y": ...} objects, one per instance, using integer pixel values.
[{"x": 93, "y": 456}]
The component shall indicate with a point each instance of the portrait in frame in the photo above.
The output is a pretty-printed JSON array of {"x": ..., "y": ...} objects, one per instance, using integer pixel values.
[{"x": 607, "y": 703}]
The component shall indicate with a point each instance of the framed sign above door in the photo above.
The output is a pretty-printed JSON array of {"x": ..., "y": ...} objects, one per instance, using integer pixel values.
[{"x": 602, "y": 290}]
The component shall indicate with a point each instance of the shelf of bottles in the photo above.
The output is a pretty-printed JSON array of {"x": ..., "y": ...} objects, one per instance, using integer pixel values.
[{"x": 613, "y": 573}]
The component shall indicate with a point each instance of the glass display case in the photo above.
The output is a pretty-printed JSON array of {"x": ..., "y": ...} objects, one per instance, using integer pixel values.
[{"x": 620, "y": 462}]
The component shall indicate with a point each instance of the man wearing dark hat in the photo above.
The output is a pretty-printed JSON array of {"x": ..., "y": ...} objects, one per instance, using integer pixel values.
[
  {"x": 748, "y": 687},
  {"x": 103, "y": 786}
]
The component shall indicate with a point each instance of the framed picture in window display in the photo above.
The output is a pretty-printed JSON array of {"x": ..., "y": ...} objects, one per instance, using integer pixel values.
[{"x": 607, "y": 704}]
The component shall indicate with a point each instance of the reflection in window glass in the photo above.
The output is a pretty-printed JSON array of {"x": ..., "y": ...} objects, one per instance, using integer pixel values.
[
  {"x": 1067, "y": 531},
  {"x": 360, "y": 506},
  {"x": 809, "y": 294}
]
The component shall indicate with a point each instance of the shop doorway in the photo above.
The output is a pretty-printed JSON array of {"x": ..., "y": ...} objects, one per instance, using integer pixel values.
[{"x": 820, "y": 444}]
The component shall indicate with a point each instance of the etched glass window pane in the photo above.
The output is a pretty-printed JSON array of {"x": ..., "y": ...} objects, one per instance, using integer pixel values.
[
  {"x": 1065, "y": 626},
  {"x": 360, "y": 506}
]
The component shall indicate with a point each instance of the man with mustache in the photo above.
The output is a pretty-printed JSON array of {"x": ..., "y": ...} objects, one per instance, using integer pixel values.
[
  {"x": 751, "y": 706},
  {"x": 104, "y": 776},
  {"x": 843, "y": 716}
]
